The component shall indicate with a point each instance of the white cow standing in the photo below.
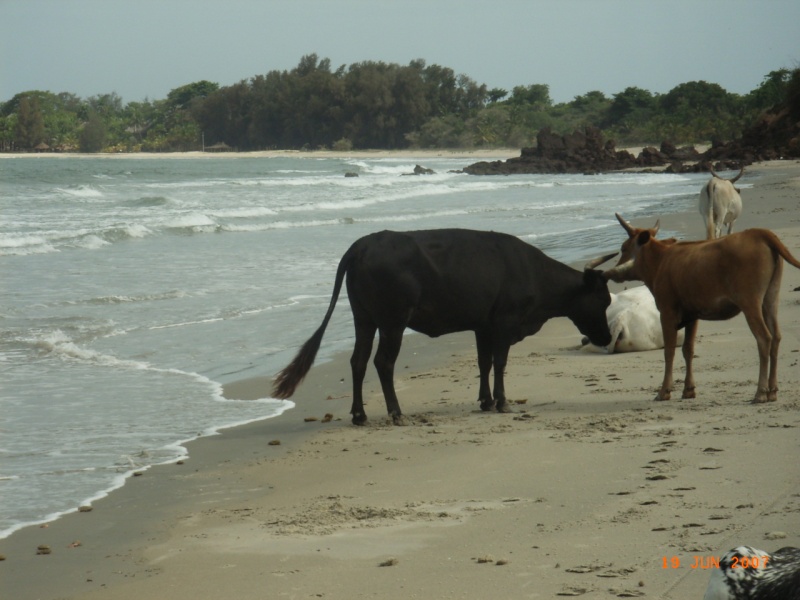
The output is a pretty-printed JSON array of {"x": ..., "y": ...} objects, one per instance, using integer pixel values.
[
  {"x": 634, "y": 321},
  {"x": 720, "y": 204}
]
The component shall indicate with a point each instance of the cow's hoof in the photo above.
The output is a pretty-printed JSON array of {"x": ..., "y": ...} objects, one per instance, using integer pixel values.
[
  {"x": 359, "y": 419},
  {"x": 487, "y": 405},
  {"x": 399, "y": 420},
  {"x": 762, "y": 396},
  {"x": 504, "y": 408},
  {"x": 688, "y": 394},
  {"x": 662, "y": 396}
]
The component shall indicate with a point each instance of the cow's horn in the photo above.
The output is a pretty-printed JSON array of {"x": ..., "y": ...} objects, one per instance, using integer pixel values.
[
  {"x": 596, "y": 262},
  {"x": 618, "y": 273},
  {"x": 625, "y": 224},
  {"x": 741, "y": 172}
]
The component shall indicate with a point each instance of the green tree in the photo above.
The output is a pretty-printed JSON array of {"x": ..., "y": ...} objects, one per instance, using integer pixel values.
[
  {"x": 8, "y": 125},
  {"x": 227, "y": 116},
  {"x": 772, "y": 90},
  {"x": 30, "y": 124},
  {"x": 182, "y": 97},
  {"x": 93, "y": 135},
  {"x": 138, "y": 117},
  {"x": 698, "y": 97},
  {"x": 793, "y": 93},
  {"x": 496, "y": 94},
  {"x": 631, "y": 105},
  {"x": 536, "y": 95}
]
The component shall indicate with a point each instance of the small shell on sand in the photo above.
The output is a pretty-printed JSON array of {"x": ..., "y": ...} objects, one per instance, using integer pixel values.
[
  {"x": 84, "y": 508},
  {"x": 43, "y": 549},
  {"x": 389, "y": 562},
  {"x": 274, "y": 442}
]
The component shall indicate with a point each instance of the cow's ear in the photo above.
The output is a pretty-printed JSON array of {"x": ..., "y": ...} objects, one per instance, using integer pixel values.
[{"x": 643, "y": 238}]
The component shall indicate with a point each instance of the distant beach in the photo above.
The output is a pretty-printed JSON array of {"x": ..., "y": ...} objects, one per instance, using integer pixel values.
[{"x": 499, "y": 153}]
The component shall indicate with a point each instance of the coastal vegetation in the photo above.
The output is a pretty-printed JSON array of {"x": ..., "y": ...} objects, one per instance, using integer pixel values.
[{"x": 375, "y": 105}]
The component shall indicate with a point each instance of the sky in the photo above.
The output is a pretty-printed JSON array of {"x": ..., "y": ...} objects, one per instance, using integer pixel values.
[{"x": 142, "y": 49}]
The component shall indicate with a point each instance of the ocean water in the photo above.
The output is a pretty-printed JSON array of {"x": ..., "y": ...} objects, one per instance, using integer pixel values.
[{"x": 131, "y": 289}]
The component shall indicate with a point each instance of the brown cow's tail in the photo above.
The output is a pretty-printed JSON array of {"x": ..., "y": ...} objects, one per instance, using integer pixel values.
[
  {"x": 289, "y": 378},
  {"x": 781, "y": 249}
]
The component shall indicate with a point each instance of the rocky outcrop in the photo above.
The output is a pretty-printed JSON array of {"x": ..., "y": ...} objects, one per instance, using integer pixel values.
[
  {"x": 775, "y": 135},
  {"x": 579, "y": 152},
  {"x": 420, "y": 170}
]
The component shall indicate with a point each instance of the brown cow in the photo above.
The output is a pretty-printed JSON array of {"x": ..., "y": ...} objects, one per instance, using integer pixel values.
[{"x": 711, "y": 280}]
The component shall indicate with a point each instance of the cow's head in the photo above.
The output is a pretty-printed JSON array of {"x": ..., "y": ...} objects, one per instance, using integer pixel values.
[
  {"x": 588, "y": 309},
  {"x": 734, "y": 180},
  {"x": 626, "y": 252},
  {"x": 625, "y": 269}
]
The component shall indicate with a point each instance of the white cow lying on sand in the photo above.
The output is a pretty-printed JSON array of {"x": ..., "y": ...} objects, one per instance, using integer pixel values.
[
  {"x": 720, "y": 204},
  {"x": 634, "y": 321}
]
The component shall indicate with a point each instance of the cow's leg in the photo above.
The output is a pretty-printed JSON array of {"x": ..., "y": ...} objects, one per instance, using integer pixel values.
[
  {"x": 365, "y": 334},
  {"x": 670, "y": 341},
  {"x": 755, "y": 319},
  {"x": 385, "y": 358},
  {"x": 484, "y": 343},
  {"x": 772, "y": 393},
  {"x": 500, "y": 359},
  {"x": 688, "y": 356},
  {"x": 769, "y": 311}
]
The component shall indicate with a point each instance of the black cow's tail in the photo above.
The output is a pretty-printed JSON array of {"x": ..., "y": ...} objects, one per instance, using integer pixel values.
[{"x": 289, "y": 378}]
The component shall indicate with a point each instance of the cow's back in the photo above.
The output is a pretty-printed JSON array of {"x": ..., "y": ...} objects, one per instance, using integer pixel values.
[
  {"x": 440, "y": 280},
  {"x": 695, "y": 272}
]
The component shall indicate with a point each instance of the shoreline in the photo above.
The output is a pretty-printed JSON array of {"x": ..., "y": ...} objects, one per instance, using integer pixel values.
[
  {"x": 495, "y": 153},
  {"x": 502, "y": 153},
  {"x": 240, "y": 514}
]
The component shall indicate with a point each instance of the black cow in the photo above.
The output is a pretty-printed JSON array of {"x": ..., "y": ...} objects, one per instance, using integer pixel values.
[{"x": 446, "y": 280}]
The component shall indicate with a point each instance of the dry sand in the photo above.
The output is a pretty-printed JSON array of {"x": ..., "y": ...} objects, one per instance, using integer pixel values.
[{"x": 588, "y": 489}]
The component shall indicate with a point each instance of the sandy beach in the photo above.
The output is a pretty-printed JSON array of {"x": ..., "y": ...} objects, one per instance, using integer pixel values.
[{"x": 589, "y": 489}]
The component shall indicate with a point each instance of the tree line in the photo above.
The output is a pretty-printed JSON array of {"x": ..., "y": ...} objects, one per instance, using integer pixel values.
[{"x": 374, "y": 105}]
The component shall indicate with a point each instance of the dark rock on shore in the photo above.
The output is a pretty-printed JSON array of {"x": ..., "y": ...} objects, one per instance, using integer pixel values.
[
  {"x": 579, "y": 152},
  {"x": 775, "y": 135},
  {"x": 419, "y": 170}
]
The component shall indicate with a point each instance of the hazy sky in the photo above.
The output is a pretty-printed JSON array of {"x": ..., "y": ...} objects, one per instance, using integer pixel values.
[{"x": 145, "y": 48}]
